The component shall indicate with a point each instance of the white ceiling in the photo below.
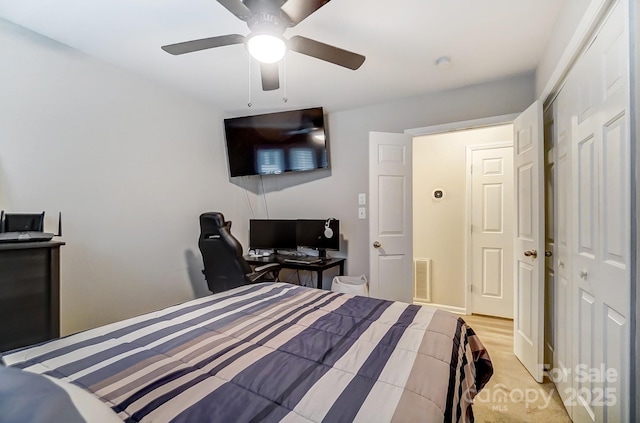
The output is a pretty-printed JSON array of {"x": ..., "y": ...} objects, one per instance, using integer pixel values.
[{"x": 401, "y": 39}]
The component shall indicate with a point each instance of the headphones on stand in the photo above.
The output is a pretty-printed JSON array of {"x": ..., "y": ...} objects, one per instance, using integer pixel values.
[{"x": 328, "y": 232}]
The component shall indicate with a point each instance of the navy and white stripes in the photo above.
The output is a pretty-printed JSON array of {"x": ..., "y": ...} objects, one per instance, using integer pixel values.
[{"x": 272, "y": 352}]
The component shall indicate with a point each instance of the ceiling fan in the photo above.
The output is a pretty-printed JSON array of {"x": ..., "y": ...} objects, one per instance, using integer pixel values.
[{"x": 267, "y": 20}]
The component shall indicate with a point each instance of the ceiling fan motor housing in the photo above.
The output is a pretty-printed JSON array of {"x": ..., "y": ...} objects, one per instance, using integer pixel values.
[{"x": 266, "y": 23}]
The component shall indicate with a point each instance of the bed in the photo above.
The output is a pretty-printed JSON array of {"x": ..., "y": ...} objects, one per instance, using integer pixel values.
[{"x": 263, "y": 352}]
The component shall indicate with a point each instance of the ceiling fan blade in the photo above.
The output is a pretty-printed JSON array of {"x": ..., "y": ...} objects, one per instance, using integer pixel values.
[
  {"x": 326, "y": 52},
  {"x": 270, "y": 76},
  {"x": 298, "y": 10},
  {"x": 237, "y": 8},
  {"x": 203, "y": 44}
]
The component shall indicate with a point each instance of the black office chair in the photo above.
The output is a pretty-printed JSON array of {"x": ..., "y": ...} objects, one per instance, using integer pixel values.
[{"x": 224, "y": 266}]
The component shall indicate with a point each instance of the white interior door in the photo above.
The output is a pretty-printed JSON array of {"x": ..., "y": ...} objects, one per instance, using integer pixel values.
[
  {"x": 601, "y": 224},
  {"x": 390, "y": 217},
  {"x": 528, "y": 336},
  {"x": 492, "y": 231}
]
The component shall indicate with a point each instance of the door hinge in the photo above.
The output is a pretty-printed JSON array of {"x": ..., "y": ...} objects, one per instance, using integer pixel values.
[
  {"x": 472, "y": 169},
  {"x": 471, "y": 288}
]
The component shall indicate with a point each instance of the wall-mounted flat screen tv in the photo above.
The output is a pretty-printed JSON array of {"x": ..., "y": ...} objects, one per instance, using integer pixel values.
[{"x": 275, "y": 143}]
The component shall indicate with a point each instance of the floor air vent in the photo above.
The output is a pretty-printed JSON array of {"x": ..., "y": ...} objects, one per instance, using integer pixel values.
[{"x": 422, "y": 281}]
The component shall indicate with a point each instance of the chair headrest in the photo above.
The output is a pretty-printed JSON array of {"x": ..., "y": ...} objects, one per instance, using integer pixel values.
[{"x": 212, "y": 222}]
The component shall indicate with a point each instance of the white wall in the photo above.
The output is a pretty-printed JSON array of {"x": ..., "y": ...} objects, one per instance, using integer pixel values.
[
  {"x": 128, "y": 163},
  {"x": 439, "y": 227}
]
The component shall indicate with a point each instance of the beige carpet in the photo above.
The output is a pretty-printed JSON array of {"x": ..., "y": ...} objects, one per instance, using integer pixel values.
[{"x": 511, "y": 395}]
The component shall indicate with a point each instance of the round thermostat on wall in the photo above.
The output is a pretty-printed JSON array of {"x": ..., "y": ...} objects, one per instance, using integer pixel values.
[{"x": 438, "y": 194}]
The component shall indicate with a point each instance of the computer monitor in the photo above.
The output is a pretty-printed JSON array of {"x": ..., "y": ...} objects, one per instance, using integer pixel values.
[
  {"x": 312, "y": 233},
  {"x": 23, "y": 222},
  {"x": 268, "y": 234}
]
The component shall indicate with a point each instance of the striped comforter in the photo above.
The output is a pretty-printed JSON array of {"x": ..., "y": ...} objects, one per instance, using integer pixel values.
[{"x": 275, "y": 352}]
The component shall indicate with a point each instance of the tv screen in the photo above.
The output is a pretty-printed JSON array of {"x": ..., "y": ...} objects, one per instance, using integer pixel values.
[
  {"x": 275, "y": 143},
  {"x": 270, "y": 234}
]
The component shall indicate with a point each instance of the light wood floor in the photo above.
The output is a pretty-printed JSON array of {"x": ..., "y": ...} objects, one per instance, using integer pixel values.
[{"x": 511, "y": 395}]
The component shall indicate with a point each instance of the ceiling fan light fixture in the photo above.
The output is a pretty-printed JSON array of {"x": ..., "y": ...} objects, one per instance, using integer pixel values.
[{"x": 266, "y": 48}]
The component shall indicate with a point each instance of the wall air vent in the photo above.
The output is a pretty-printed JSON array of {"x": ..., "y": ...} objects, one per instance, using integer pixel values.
[{"x": 422, "y": 281}]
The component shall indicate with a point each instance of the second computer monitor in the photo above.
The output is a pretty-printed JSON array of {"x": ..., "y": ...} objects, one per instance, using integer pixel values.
[
  {"x": 23, "y": 222},
  {"x": 318, "y": 234},
  {"x": 267, "y": 234}
]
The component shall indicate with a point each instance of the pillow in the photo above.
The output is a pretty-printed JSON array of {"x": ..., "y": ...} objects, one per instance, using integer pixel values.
[{"x": 34, "y": 398}]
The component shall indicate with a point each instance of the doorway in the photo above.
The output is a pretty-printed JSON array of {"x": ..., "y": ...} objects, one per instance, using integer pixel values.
[{"x": 442, "y": 217}]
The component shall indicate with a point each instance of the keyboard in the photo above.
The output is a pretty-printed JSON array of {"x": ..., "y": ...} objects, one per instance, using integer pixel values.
[
  {"x": 303, "y": 260},
  {"x": 30, "y": 236}
]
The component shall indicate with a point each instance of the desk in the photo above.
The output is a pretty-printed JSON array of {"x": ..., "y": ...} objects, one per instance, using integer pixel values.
[
  {"x": 312, "y": 267},
  {"x": 29, "y": 293}
]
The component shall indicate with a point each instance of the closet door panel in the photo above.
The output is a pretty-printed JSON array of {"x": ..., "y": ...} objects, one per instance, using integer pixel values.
[{"x": 601, "y": 197}]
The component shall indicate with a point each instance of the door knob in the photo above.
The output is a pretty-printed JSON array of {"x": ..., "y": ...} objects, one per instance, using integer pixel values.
[
  {"x": 531, "y": 253},
  {"x": 548, "y": 253},
  {"x": 377, "y": 245},
  {"x": 583, "y": 274}
]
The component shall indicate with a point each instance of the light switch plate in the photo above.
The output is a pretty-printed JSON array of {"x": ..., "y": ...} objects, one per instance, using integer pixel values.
[
  {"x": 362, "y": 213},
  {"x": 362, "y": 198}
]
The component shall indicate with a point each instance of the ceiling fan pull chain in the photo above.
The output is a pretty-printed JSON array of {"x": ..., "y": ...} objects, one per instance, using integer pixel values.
[
  {"x": 249, "y": 104},
  {"x": 284, "y": 80}
]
